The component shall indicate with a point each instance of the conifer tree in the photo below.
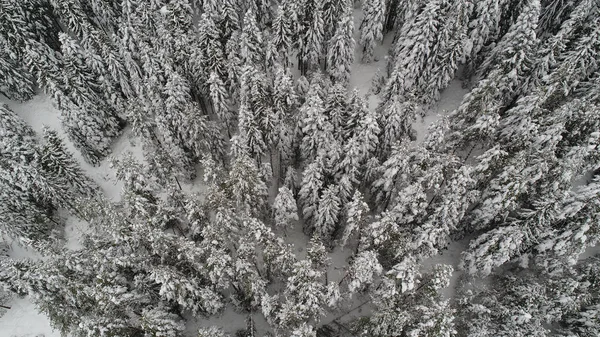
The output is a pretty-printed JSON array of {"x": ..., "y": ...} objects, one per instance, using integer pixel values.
[
  {"x": 506, "y": 68},
  {"x": 283, "y": 32},
  {"x": 356, "y": 217},
  {"x": 371, "y": 28},
  {"x": 60, "y": 165},
  {"x": 363, "y": 270},
  {"x": 251, "y": 40},
  {"x": 340, "y": 52},
  {"x": 422, "y": 310},
  {"x": 328, "y": 213},
  {"x": 316, "y": 129},
  {"x": 304, "y": 296},
  {"x": 311, "y": 36},
  {"x": 246, "y": 188},
  {"x": 333, "y": 10},
  {"x": 14, "y": 83},
  {"x": 220, "y": 100},
  {"x": 310, "y": 191},
  {"x": 90, "y": 128},
  {"x": 285, "y": 208}
]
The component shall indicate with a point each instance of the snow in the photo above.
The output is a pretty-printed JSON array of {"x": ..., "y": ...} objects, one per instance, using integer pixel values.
[
  {"x": 450, "y": 256},
  {"x": 40, "y": 112},
  {"x": 18, "y": 252},
  {"x": 230, "y": 320},
  {"x": 23, "y": 320}
]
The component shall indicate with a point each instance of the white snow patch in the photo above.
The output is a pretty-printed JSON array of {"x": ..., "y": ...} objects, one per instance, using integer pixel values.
[
  {"x": 75, "y": 229},
  {"x": 39, "y": 112},
  {"x": 230, "y": 320},
  {"x": 23, "y": 320},
  {"x": 450, "y": 256}
]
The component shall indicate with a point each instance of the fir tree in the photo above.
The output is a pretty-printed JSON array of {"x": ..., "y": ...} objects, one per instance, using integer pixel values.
[
  {"x": 371, "y": 28},
  {"x": 328, "y": 213},
  {"x": 340, "y": 52},
  {"x": 14, "y": 83},
  {"x": 356, "y": 217},
  {"x": 283, "y": 33},
  {"x": 363, "y": 270},
  {"x": 310, "y": 191},
  {"x": 311, "y": 36},
  {"x": 62, "y": 167},
  {"x": 284, "y": 206},
  {"x": 251, "y": 40},
  {"x": 304, "y": 296},
  {"x": 316, "y": 129}
]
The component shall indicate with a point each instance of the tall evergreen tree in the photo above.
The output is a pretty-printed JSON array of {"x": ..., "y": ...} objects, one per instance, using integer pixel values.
[
  {"x": 340, "y": 52},
  {"x": 371, "y": 28}
]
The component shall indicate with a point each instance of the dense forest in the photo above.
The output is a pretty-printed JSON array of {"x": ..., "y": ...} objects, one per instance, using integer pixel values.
[{"x": 252, "y": 99}]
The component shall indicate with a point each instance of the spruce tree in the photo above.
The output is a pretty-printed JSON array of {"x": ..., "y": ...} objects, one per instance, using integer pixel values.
[
  {"x": 251, "y": 40},
  {"x": 328, "y": 213},
  {"x": 285, "y": 209},
  {"x": 371, "y": 28},
  {"x": 311, "y": 36},
  {"x": 63, "y": 169},
  {"x": 340, "y": 52},
  {"x": 14, "y": 83}
]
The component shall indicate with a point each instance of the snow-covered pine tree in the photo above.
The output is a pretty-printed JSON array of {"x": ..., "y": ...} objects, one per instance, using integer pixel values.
[
  {"x": 333, "y": 11},
  {"x": 208, "y": 53},
  {"x": 514, "y": 51},
  {"x": 250, "y": 131},
  {"x": 356, "y": 218},
  {"x": 317, "y": 130},
  {"x": 484, "y": 27},
  {"x": 310, "y": 192},
  {"x": 336, "y": 108},
  {"x": 247, "y": 281},
  {"x": 371, "y": 27},
  {"x": 551, "y": 49},
  {"x": 282, "y": 34},
  {"x": 418, "y": 312},
  {"x": 90, "y": 129},
  {"x": 328, "y": 213},
  {"x": 366, "y": 130},
  {"x": 14, "y": 127},
  {"x": 285, "y": 209},
  {"x": 14, "y": 82},
  {"x": 304, "y": 296},
  {"x": 251, "y": 40},
  {"x": 285, "y": 104},
  {"x": 21, "y": 22},
  {"x": 413, "y": 56},
  {"x": 246, "y": 188},
  {"x": 340, "y": 50},
  {"x": 522, "y": 302},
  {"x": 506, "y": 69},
  {"x": 311, "y": 36},
  {"x": 220, "y": 100},
  {"x": 63, "y": 169},
  {"x": 364, "y": 269},
  {"x": 395, "y": 117}
]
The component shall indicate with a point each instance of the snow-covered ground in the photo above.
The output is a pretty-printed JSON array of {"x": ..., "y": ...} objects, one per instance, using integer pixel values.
[{"x": 23, "y": 320}]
